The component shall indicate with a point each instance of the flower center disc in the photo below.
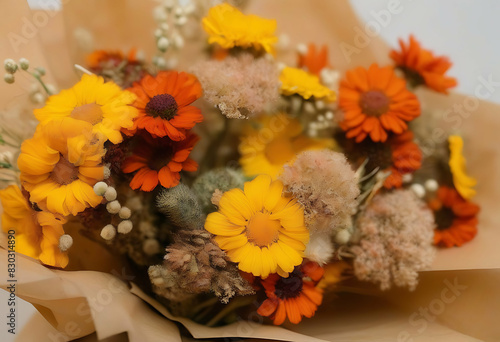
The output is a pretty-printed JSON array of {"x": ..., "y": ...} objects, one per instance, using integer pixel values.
[
  {"x": 89, "y": 112},
  {"x": 279, "y": 151},
  {"x": 64, "y": 172},
  {"x": 163, "y": 105},
  {"x": 290, "y": 287},
  {"x": 444, "y": 218},
  {"x": 374, "y": 103},
  {"x": 262, "y": 230}
]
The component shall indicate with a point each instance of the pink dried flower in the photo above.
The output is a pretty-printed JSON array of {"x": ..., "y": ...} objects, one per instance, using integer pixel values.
[
  {"x": 325, "y": 184},
  {"x": 239, "y": 86},
  {"x": 395, "y": 234}
]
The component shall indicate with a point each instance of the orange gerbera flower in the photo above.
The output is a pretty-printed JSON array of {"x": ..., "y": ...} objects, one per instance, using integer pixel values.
[
  {"x": 159, "y": 160},
  {"x": 456, "y": 218},
  {"x": 314, "y": 60},
  {"x": 406, "y": 158},
  {"x": 115, "y": 66},
  {"x": 97, "y": 57},
  {"x": 164, "y": 104},
  {"x": 375, "y": 101},
  {"x": 293, "y": 297},
  {"x": 422, "y": 67}
]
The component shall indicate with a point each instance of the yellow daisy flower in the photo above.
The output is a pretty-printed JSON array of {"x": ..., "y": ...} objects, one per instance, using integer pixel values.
[
  {"x": 298, "y": 81},
  {"x": 37, "y": 232},
  {"x": 60, "y": 165},
  {"x": 228, "y": 27},
  {"x": 271, "y": 141},
  {"x": 104, "y": 105},
  {"x": 463, "y": 183},
  {"x": 259, "y": 228}
]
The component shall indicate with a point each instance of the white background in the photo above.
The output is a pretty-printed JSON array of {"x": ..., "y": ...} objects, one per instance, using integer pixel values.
[{"x": 465, "y": 30}]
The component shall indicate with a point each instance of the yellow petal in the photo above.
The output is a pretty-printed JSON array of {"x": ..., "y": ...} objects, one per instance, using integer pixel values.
[
  {"x": 257, "y": 190},
  {"x": 231, "y": 242},
  {"x": 274, "y": 195},
  {"x": 218, "y": 224},
  {"x": 234, "y": 203},
  {"x": 295, "y": 244}
]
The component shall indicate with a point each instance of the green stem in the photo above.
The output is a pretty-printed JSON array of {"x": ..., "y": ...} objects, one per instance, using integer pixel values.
[
  {"x": 210, "y": 302},
  {"x": 39, "y": 79},
  {"x": 235, "y": 304}
]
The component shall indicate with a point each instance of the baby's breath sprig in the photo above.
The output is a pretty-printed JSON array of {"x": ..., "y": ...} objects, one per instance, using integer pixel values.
[
  {"x": 114, "y": 207},
  {"x": 36, "y": 96},
  {"x": 171, "y": 18}
]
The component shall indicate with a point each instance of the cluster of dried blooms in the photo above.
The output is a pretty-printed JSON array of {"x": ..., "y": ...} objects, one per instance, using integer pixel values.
[
  {"x": 193, "y": 265},
  {"x": 325, "y": 184},
  {"x": 239, "y": 86},
  {"x": 395, "y": 235}
]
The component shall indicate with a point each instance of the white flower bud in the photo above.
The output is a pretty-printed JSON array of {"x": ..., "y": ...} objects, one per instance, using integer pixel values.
[
  {"x": 407, "y": 178},
  {"x": 125, "y": 213},
  {"x": 140, "y": 56},
  {"x": 301, "y": 49},
  {"x": 158, "y": 33},
  {"x": 10, "y": 65},
  {"x": 283, "y": 41},
  {"x": 110, "y": 194},
  {"x": 9, "y": 78},
  {"x": 125, "y": 227},
  {"x": 418, "y": 190},
  {"x": 309, "y": 107},
  {"x": 65, "y": 242},
  {"x": 320, "y": 104},
  {"x": 171, "y": 63},
  {"x": 24, "y": 63},
  {"x": 108, "y": 232},
  {"x": 342, "y": 237},
  {"x": 113, "y": 207},
  {"x": 181, "y": 21},
  {"x": 159, "y": 14},
  {"x": 431, "y": 185},
  {"x": 163, "y": 44},
  {"x": 178, "y": 41},
  {"x": 40, "y": 70},
  {"x": 179, "y": 11},
  {"x": 52, "y": 89},
  {"x": 100, "y": 188},
  {"x": 160, "y": 62},
  {"x": 38, "y": 98},
  {"x": 164, "y": 27},
  {"x": 329, "y": 115}
]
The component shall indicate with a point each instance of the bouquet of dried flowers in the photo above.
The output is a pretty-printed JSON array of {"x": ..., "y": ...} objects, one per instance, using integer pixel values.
[{"x": 240, "y": 183}]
